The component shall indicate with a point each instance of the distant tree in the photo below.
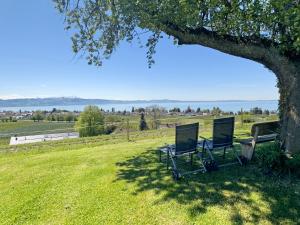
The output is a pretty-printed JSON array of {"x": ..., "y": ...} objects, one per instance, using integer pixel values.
[
  {"x": 90, "y": 122},
  {"x": 143, "y": 123},
  {"x": 69, "y": 117},
  {"x": 188, "y": 110},
  {"x": 198, "y": 110},
  {"x": 132, "y": 109},
  {"x": 155, "y": 111},
  {"x": 141, "y": 110},
  {"x": 266, "y": 112},
  {"x": 51, "y": 117},
  {"x": 256, "y": 111},
  {"x": 175, "y": 110},
  {"x": 38, "y": 116},
  {"x": 216, "y": 111},
  {"x": 59, "y": 117}
]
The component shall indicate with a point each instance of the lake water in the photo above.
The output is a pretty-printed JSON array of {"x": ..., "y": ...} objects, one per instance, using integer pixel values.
[{"x": 227, "y": 106}]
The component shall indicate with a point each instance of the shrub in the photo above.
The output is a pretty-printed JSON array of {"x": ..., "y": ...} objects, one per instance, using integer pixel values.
[
  {"x": 270, "y": 156},
  {"x": 293, "y": 164},
  {"x": 248, "y": 120},
  {"x": 109, "y": 129}
]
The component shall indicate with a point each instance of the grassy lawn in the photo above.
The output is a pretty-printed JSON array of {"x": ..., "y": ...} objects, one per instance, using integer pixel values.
[
  {"x": 28, "y": 127},
  {"x": 112, "y": 181}
]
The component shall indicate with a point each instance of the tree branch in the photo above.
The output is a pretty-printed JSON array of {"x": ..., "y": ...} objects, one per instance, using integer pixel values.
[{"x": 257, "y": 49}]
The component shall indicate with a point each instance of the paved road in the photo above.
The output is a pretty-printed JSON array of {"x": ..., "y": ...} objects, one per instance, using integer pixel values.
[{"x": 41, "y": 138}]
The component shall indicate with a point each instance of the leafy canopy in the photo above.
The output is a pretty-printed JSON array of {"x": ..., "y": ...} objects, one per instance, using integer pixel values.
[
  {"x": 90, "y": 122},
  {"x": 100, "y": 25}
]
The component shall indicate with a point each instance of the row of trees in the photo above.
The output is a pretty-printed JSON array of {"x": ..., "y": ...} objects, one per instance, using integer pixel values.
[
  {"x": 91, "y": 122},
  {"x": 58, "y": 116}
]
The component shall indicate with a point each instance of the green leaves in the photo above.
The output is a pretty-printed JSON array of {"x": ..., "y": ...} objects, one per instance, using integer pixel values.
[{"x": 100, "y": 25}]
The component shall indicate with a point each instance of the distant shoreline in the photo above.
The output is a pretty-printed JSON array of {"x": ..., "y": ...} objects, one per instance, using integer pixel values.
[
  {"x": 63, "y": 101},
  {"x": 226, "y": 106}
]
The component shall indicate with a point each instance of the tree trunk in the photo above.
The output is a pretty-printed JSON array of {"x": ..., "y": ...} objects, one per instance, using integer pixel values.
[{"x": 289, "y": 107}]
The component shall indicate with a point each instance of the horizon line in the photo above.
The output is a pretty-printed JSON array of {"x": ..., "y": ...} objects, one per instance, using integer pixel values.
[{"x": 129, "y": 100}]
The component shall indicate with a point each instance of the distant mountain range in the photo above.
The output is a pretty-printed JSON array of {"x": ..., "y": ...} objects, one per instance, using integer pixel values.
[{"x": 67, "y": 101}]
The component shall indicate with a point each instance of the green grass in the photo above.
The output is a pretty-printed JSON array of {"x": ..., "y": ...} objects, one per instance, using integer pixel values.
[
  {"x": 28, "y": 127},
  {"x": 107, "y": 180},
  {"x": 23, "y": 128}
]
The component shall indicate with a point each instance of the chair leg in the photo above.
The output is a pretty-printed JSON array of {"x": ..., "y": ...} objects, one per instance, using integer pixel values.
[
  {"x": 175, "y": 171},
  {"x": 191, "y": 159},
  {"x": 201, "y": 156},
  {"x": 237, "y": 156},
  {"x": 210, "y": 154},
  {"x": 168, "y": 155},
  {"x": 159, "y": 156},
  {"x": 224, "y": 153}
]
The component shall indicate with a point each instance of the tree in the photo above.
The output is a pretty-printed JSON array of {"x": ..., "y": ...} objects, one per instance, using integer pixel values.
[
  {"x": 143, "y": 123},
  {"x": 69, "y": 117},
  {"x": 267, "y": 32},
  {"x": 216, "y": 111},
  {"x": 155, "y": 113},
  {"x": 256, "y": 111},
  {"x": 90, "y": 122},
  {"x": 38, "y": 116},
  {"x": 188, "y": 110},
  {"x": 175, "y": 109}
]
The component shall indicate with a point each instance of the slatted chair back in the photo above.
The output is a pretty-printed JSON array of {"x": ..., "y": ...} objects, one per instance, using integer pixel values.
[
  {"x": 266, "y": 128},
  {"x": 223, "y": 130},
  {"x": 186, "y": 138}
]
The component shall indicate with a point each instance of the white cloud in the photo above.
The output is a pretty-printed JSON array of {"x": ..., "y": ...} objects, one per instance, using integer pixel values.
[
  {"x": 17, "y": 96},
  {"x": 12, "y": 96}
]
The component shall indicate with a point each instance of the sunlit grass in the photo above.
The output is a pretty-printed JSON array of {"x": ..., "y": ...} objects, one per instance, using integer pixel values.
[{"x": 121, "y": 182}]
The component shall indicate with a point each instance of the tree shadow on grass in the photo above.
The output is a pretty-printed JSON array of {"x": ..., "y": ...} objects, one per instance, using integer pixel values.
[{"x": 233, "y": 188}]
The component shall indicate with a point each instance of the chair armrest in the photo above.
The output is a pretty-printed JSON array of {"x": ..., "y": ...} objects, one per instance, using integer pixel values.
[{"x": 204, "y": 138}]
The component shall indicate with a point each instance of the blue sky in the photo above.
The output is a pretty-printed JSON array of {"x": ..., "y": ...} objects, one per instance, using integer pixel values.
[{"x": 36, "y": 60}]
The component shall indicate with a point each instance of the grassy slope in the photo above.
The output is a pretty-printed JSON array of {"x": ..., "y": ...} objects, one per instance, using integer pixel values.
[
  {"x": 122, "y": 183},
  {"x": 31, "y": 128},
  {"x": 23, "y": 128}
]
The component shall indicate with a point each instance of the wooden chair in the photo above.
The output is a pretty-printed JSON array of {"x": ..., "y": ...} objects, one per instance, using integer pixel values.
[{"x": 261, "y": 133}]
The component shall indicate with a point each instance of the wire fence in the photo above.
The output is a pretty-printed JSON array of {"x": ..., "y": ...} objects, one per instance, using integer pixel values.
[
  {"x": 127, "y": 130},
  {"x": 125, "y": 124}
]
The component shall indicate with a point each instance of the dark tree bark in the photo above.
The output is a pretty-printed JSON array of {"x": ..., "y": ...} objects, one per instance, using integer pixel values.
[
  {"x": 289, "y": 106},
  {"x": 286, "y": 69}
]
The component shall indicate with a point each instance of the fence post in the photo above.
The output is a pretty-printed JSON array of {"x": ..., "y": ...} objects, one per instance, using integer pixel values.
[
  {"x": 127, "y": 129},
  {"x": 242, "y": 117}
]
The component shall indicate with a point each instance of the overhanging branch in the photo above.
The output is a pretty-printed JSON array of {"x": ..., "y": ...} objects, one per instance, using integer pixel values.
[{"x": 261, "y": 51}]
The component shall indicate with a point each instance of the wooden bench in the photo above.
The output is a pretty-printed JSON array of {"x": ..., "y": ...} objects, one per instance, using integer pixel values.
[{"x": 261, "y": 133}]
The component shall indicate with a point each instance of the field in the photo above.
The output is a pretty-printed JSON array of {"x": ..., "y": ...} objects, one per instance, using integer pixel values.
[
  {"x": 108, "y": 180},
  {"x": 28, "y": 127}
]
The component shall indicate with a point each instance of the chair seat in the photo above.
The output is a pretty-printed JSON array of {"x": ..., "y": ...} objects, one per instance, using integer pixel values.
[
  {"x": 208, "y": 144},
  {"x": 166, "y": 149},
  {"x": 266, "y": 138},
  {"x": 260, "y": 139},
  {"x": 172, "y": 148}
]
